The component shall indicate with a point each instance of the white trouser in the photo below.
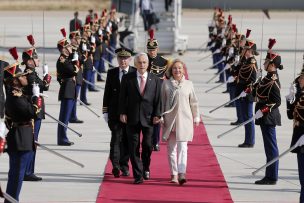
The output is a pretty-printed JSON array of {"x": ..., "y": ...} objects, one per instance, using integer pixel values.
[{"x": 177, "y": 158}]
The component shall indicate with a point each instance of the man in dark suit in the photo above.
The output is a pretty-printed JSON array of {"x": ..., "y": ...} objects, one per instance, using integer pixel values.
[
  {"x": 139, "y": 108},
  {"x": 119, "y": 153},
  {"x": 75, "y": 23}
]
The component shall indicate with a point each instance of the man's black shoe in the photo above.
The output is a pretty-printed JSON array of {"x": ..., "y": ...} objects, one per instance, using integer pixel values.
[
  {"x": 235, "y": 123},
  {"x": 146, "y": 175},
  {"x": 86, "y": 103},
  {"x": 93, "y": 90},
  {"x": 65, "y": 143},
  {"x": 229, "y": 105},
  {"x": 125, "y": 173},
  {"x": 32, "y": 177},
  {"x": 116, "y": 172},
  {"x": 226, "y": 91},
  {"x": 244, "y": 145},
  {"x": 100, "y": 80},
  {"x": 138, "y": 180},
  {"x": 266, "y": 181},
  {"x": 76, "y": 121},
  {"x": 156, "y": 147}
]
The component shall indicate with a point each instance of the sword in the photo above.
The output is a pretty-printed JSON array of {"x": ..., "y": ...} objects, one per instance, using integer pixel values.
[
  {"x": 110, "y": 52},
  {"x": 244, "y": 123},
  {"x": 98, "y": 73},
  {"x": 108, "y": 62},
  {"x": 64, "y": 125},
  {"x": 215, "y": 87},
  {"x": 236, "y": 98},
  {"x": 215, "y": 64},
  {"x": 43, "y": 38},
  {"x": 298, "y": 143},
  {"x": 89, "y": 83},
  {"x": 86, "y": 106},
  {"x": 206, "y": 57},
  {"x": 7, "y": 196},
  {"x": 59, "y": 155}
]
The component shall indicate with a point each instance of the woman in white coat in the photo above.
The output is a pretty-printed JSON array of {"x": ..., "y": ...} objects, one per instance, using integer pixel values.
[{"x": 179, "y": 110}]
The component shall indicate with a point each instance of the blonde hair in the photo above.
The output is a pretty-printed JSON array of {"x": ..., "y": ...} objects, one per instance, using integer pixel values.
[{"x": 169, "y": 70}]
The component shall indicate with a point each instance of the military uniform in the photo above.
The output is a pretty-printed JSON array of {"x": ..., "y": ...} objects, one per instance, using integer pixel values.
[
  {"x": 20, "y": 112},
  {"x": 33, "y": 78},
  {"x": 119, "y": 151},
  {"x": 157, "y": 66},
  {"x": 295, "y": 111},
  {"x": 66, "y": 73},
  {"x": 247, "y": 74},
  {"x": 268, "y": 99}
]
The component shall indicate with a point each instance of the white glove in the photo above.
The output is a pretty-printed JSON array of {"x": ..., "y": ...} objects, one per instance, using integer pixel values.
[
  {"x": 292, "y": 93},
  {"x": 236, "y": 59},
  {"x": 197, "y": 120},
  {"x": 258, "y": 114},
  {"x": 36, "y": 90},
  {"x": 92, "y": 39},
  {"x": 45, "y": 69},
  {"x": 2, "y": 130},
  {"x": 231, "y": 52},
  {"x": 243, "y": 94},
  {"x": 217, "y": 51},
  {"x": 100, "y": 32},
  {"x": 230, "y": 79},
  {"x": 161, "y": 120},
  {"x": 84, "y": 47},
  {"x": 106, "y": 117},
  {"x": 75, "y": 56},
  {"x": 227, "y": 66},
  {"x": 212, "y": 45},
  {"x": 224, "y": 43}
]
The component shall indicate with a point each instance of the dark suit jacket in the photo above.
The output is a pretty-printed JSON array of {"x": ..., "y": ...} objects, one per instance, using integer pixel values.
[
  {"x": 111, "y": 93},
  {"x": 140, "y": 109}
]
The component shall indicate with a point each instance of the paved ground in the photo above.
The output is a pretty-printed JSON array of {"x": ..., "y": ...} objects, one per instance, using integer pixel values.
[{"x": 64, "y": 182}]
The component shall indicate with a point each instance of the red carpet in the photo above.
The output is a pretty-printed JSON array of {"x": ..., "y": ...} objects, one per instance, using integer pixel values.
[
  {"x": 206, "y": 182},
  {"x": 205, "y": 179}
]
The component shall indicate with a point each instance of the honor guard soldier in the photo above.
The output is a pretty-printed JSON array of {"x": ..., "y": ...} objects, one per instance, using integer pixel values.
[
  {"x": 66, "y": 72},
  {"x": 158, "y": 66},
  {"x": 3, "y": 64},
  {"x": 268, "y": 99},
  {"x": 119, "y": 153},
  {"x": 31, "y": 62},
  {"x": 246, "y": 78},
  {"x": 75, "y": 42},
  {"x": 113, "y": 25},
  {"x": 295, "y": 111},
  {"x": 20, "y": 111}
]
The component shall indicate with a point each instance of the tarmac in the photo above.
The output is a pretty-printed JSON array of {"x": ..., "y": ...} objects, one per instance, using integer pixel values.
[{"x": 65, "y": 182}]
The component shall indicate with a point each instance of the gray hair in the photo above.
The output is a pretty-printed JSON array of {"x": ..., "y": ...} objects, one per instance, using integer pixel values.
[{"x": 139, "y": 55}]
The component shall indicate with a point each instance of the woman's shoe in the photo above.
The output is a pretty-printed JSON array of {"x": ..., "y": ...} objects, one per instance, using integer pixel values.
[
  {"x": 173, "y": 179},
  {"x": 181, "y": 178}
]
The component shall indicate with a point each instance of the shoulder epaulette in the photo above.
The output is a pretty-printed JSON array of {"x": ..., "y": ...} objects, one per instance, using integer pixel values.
[{"x": 253, "y": 60}]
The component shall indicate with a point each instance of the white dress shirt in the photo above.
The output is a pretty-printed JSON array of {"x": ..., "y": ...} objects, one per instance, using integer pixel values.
[
  {"x": 121, "y": 73},
  {"x": 139, "y": 77}
]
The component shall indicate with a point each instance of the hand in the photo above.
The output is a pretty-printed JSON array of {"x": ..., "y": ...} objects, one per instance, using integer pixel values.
[
  {"x": 2, "y": 130},
  {"x": 156, "y": 120},
  {"x": 292, "y": 93},
  {"x": 161, "y": 120},
  {"x": 36, "y": 90},
  {"x": 75, "y": 56},
  {"x": 47, "y": 79},
  {"x": 236, "y": 59},
  {"x": 217, "y": 51},
  {"x": 243, "y": 94},
  {"x": 45, "y": 69},
  {"x": 92, "y": 39},
  {"x": 197, "y": 120},
  {"x": 106, "y": 117},
  {"x": 230, "y": 79},
  {"x": 123, "y": 118},
  {"x": 2, "y": 145},
  {"x": 84, "y": 47}
]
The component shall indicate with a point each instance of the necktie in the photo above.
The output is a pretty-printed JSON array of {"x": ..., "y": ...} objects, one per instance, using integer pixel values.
[
  {"x": 124, "y": 72},
  {"x": 142, "y": 85}
]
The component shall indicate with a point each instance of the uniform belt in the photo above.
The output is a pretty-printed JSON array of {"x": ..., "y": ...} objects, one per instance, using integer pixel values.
[
  {"x": 18, "y": 124},
  {"x": 66, "y": 79}
]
